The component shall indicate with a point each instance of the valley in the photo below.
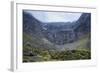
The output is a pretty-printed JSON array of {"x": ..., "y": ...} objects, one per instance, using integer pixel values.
[{"x": 56, "y": 40}]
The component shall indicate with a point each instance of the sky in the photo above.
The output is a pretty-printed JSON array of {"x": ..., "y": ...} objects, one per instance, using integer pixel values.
[{"x": 47, "y": 16}]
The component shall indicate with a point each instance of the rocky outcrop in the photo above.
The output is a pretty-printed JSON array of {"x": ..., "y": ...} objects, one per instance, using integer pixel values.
[
  {"x": 31, "y": 25},
  {"x": 83, "y": 25},
  {"x": 57, "y": 32},
  {"x": 62, "y": 33}
]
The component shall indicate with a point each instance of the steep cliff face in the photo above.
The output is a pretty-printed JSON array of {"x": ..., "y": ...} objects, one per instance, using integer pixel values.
[
  {"x": 62, "y": 33},
  {"x": 83, "y": 25},
  {"x": 33, "y": 33},
  {"x": 31, "y": 25},
  {"x": 61, "y": 36},
  {"x": 57, "y": 32}
]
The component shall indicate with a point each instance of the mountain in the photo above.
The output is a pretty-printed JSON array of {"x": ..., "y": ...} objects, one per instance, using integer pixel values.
[
  {"x": 31, "y": 25},
  {"x": 83, "y": 25},
  {"x": 56, "y": 33},
  {"x": 59, "y": 32},
  {"x": 67, "y": 32},
  {"x": 56, "y": 40},
  {"x": 32, "y": 33}
]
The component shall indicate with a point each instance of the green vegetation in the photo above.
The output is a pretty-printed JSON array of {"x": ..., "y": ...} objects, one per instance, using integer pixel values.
[
  {"x": 84, "y": 42},
  {"x": 47, "y": 55},
  {"x": 34, "y": 51}
]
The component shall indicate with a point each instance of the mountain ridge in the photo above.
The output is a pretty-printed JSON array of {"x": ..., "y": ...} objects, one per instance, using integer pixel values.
[{"x": 58, "y": 33}]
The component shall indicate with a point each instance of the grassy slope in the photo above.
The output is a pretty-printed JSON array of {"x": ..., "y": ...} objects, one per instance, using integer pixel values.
[
  {"x": 41, "y": 53},
  {"x": 82, "y": 43},
  {"x": 37, "y": 42}
]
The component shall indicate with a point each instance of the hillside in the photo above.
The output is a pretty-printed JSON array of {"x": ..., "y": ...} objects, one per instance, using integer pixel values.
[{"x": 56, "y": 40}]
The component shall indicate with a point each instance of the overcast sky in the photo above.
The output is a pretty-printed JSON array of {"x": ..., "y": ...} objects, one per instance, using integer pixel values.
[{"x": 45, "y": 16}]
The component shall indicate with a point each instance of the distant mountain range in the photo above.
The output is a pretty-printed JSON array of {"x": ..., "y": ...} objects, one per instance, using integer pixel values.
[{"x": 56, "y": 33}]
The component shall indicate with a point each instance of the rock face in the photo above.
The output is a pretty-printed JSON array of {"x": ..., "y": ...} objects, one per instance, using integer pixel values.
[
  {"x": 57, "y": 32},
  {"x": 84, "y": 25},
  {"x": 33, "y": 33},
  {"x": 31, "y": 25},
  {"x": 61, "y": 36},
  {"x": 62, "y": 33}
]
